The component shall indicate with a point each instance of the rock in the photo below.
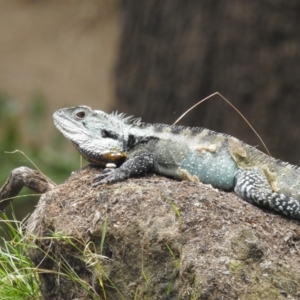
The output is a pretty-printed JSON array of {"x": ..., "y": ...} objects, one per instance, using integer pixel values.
[{"x": 158, "y": 238}]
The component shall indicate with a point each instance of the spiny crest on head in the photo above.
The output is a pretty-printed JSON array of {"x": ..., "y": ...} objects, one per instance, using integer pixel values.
[
  {"x": 124, "y": 123},
  {"x": 107, "y": 122},
  {"x": 122, "y": 117},
  {"x": 130, "y": 120}
]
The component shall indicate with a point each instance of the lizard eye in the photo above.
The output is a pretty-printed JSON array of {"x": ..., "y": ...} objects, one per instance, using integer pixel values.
[{"x": 80, "y": 114}]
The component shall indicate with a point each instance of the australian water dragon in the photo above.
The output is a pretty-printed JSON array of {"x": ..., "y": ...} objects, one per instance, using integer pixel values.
[{"x": 127, "y": 147}]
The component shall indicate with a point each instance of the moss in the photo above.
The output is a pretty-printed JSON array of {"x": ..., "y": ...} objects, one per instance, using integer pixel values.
[
  {"x": 265, "y": 291},
  {"x": 197, "y": 289},
  {"x": 246, "y": 245},
  {"x": 236, "y": 267},
  {"x": 287, "y": 281},
  {"x": 276, "y": 282}
]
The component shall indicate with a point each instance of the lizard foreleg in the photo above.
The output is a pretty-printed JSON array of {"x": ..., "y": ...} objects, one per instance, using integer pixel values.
[{"x": 137, "y": 165}]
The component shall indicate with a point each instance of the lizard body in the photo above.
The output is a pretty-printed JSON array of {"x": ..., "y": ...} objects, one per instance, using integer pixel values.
[{"x": 184, "y": 153}]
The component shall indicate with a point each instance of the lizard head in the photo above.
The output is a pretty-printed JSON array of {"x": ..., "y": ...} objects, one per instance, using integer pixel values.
[{"x": 94, "y": 133}]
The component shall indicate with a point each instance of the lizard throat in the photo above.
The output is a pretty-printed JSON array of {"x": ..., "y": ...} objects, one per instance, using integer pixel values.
[{"x": 101, "y": 159}]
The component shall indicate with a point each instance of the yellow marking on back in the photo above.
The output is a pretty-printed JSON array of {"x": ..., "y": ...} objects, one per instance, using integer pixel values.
[
  {"x": 207, "y": 148},
  {"x": 238, "y": 152},
  {"x": 185, "y": 175},
  {"x": 272, "y": 178}
]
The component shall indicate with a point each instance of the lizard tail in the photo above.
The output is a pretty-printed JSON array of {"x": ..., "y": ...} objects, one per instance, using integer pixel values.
[{"x": 253, "y": 187}]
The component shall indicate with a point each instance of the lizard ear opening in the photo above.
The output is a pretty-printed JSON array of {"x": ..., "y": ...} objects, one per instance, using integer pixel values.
[
  {"x": 108, "y": 134},
  {"x": 80, "y": 114}
]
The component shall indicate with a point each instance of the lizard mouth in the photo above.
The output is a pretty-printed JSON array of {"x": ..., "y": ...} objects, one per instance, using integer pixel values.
[{"x": 66, "y": 128}]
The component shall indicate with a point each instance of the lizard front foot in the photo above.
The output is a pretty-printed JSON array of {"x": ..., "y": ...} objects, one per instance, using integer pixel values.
[
  {"x": 110, "y": 175},
  {"x": 137, "y": 165}
]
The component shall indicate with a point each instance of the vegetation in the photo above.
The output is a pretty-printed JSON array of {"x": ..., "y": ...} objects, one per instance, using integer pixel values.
[
  {"x": 25, "y": 129},
  {"x": 19, "y": 278}
]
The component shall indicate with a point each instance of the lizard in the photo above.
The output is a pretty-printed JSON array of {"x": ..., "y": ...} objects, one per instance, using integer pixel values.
[{"x": 127, "y": 147}]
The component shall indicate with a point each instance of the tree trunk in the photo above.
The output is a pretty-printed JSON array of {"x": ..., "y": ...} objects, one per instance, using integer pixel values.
[{"x": 175, "y": 52}]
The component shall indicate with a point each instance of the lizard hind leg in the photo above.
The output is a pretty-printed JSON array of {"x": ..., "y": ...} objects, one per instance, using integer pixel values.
[{"x": 253, "y": 187}]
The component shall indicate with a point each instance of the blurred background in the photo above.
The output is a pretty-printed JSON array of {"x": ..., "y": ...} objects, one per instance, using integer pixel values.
[{"x": 152, "y": 59}]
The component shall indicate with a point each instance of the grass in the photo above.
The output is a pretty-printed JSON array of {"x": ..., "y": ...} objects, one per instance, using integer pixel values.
[{"x": 19, "y": 277}]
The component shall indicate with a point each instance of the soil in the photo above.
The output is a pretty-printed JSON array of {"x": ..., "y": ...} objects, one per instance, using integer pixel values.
[{"x": 157, "y": 238}]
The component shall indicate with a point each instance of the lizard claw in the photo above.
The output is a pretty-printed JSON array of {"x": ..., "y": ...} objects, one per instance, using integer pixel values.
[
  {"x": 102, "y": 178},
  {"x": 109, "y": 176}
]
